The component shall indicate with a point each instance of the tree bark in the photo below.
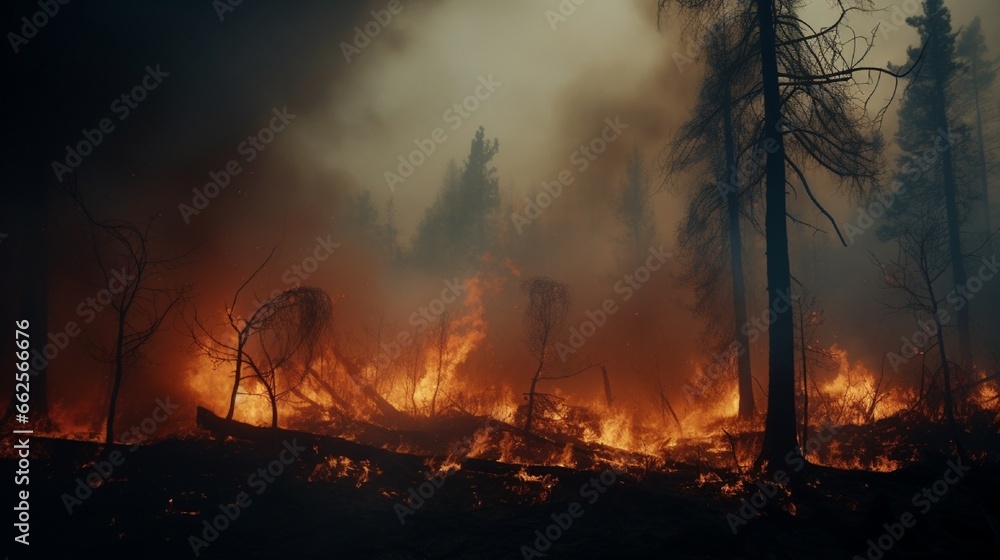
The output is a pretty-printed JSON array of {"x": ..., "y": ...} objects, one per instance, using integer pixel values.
[
  {"x": 109, "y": 437},
  {"x": 958, "y": 272},
  {"x": 237, "y": 376},
  {"x": 780, "y": 425},
  {"x": 531, "y": 396},
  {"x": 274, "y": 406}
]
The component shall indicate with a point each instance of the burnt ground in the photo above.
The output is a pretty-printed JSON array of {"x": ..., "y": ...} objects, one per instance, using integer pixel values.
[{"x": 321, "y": 506}]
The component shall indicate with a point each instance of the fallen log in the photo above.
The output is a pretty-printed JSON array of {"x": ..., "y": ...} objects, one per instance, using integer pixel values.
[
  {"x": 386, "y": 460},
  {"x": 344, "y": 406},
  {"x": 390, "y": 415}
]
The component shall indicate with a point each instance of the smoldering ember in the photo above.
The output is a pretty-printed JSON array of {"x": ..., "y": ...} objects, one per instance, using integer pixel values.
[{"x": 693, "y": 279}]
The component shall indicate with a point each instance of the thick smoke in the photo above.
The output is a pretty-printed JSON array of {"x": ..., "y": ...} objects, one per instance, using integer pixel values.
[{"x": 544, "y": 86}]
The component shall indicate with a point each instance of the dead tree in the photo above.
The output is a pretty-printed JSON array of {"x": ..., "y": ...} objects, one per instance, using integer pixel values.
[
  {"x": 811, "y": 110},
  {"x": 809, "y": 317},
  {"x": 925, "y": 115},
  {"x": 390, "y": 415},
  {"x": 411, "y": 362},
  {"x": 716, "y": 141},
  {"x": 548, "y": 304},
  {"x": 243, "y": 328},
  {"x": 924, "y": 256},
  {"x": 286, "y": 345},
  {"x": 279, "y": 341},
  {"x": 442, "y": 347},
  {"x": 139, "y": 306}
]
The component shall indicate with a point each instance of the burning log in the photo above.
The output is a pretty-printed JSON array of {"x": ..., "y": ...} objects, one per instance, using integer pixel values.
[
  {"x": 390, "y": 414},
  {"x": 344, "y": 406},
  {"x": 665, "y": 404},
  {"x": 335, "y": 446}
]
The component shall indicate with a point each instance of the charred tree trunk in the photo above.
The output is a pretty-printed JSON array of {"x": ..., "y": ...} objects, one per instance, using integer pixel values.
[
  {"x": 237, "y": 377},
  {"x": 269, "y": 382},
  {"x": 109, "y": 437},
  {"x": 949, "y": 409},
  {"x": 390, "y": 414},
  {"x": 780, "y": 426},
  {"x": 746, "y": 407},
  {"x": 329, "y": 390},
  {"x": 442, "y": 342},
  {"x": 274, "y": 407},
  {"x": 531, "y": 396},
  {"x": 958, "y": 272},
  {"x": 548, "y": 302}
]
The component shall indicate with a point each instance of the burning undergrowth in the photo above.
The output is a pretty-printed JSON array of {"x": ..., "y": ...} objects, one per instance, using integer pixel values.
[{"x": 424, "y": 393}]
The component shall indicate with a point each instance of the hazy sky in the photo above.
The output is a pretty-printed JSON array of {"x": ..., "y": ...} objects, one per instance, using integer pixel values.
[{"x": 603, "y": 56}]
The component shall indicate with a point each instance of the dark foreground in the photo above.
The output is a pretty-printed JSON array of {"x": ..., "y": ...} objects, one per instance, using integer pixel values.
[{"x": 316, "y": 504}]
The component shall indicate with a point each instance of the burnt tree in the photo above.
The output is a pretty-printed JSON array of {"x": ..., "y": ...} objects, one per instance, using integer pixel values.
[{"x": 548, "y": 304}]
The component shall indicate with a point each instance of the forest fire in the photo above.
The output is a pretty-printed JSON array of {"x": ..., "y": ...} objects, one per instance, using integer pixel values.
[
  {"x": 847, "y": 394},
  {"x": 557, "y": 279}
]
